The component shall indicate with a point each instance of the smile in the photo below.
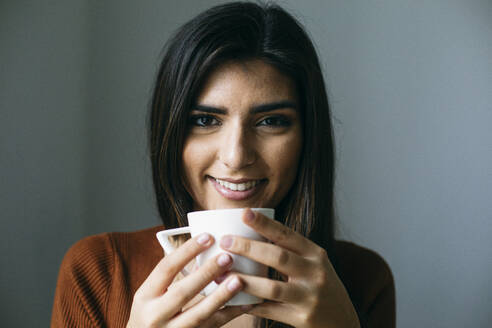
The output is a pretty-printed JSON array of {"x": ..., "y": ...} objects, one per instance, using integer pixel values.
[
  {"x": 238, "y": 186},
  {"x": 241, "y": 190}
]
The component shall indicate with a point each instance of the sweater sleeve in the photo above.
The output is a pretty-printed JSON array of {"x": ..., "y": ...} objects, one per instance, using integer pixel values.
[{"x": 83, "y": 283}]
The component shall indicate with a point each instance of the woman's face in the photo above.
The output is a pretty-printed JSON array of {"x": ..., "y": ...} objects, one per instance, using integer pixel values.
[{"x": 244, "y": 138}]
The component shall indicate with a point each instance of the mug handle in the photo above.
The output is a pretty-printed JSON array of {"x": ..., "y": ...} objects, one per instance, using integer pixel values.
[{"x": 163, "y": 238}]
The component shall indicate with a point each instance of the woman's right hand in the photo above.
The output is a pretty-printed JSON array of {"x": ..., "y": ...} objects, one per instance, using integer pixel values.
[{"x": 157, "y": 303}]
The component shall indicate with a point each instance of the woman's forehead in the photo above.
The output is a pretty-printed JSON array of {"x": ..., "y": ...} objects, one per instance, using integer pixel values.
[{"x": 252, "y": 81}]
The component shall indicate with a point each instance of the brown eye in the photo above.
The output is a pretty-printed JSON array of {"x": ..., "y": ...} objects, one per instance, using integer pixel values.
[
  {"x": 203, "y": 120},
  {"x": 275, "y": 121}
]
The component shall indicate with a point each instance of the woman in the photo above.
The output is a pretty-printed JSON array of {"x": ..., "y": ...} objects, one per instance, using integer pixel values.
[{"x": 239, "y": 118}]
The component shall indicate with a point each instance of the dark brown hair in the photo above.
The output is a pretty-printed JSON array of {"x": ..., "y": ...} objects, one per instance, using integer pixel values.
[{"x": 242, "y": 31}]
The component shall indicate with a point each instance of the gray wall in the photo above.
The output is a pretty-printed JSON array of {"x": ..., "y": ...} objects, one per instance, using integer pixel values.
[
  {"x": 410, "y": 87},
  {"x": 43, "y": 54}
]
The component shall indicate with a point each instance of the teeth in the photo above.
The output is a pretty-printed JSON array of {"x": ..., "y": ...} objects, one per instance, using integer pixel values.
[{"x": 238, "y": 186}]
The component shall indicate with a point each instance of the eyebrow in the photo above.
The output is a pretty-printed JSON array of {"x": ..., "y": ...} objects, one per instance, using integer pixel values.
[{"x": 254, "y": 110}]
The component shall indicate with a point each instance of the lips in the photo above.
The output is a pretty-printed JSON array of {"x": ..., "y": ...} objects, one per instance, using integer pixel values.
[{"x": 237, "y": 189}]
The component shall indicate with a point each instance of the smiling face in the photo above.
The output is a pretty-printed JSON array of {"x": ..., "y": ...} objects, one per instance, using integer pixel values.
[{"x": 244, "y": 138}]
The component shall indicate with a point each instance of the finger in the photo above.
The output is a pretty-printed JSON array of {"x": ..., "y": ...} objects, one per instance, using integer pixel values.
[
  {"x": 164, "y": 272},
  {"x": 278, "y": 233},
  {"x": 273, "y": 290},
  {"x": 223, "y": 316},
  {"x": 278, "y": 312},
  {"x": 179, "y": 293},
  {"x": 222, "y": 277},
  {"x": 279, "y": 258},
  {"x": 203, "y": 311}
]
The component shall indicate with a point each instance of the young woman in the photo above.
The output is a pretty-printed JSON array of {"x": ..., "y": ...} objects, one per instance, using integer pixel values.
[{"x": 239, "y": 119}]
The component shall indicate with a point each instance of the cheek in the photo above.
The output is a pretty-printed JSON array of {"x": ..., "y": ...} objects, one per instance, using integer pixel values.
[
  {"x": 195, "y": 157},
  {"x": 285, "y": 159}
]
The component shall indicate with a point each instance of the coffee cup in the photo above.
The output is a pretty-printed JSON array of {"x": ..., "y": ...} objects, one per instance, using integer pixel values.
[{"x": 219, "y": 223}]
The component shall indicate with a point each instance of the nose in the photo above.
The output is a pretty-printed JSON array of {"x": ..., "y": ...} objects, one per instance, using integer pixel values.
[{"x": 237, "y": 149}]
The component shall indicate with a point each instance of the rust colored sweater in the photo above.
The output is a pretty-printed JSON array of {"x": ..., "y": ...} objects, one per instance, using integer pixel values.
[{"x": 99, "y": 275}]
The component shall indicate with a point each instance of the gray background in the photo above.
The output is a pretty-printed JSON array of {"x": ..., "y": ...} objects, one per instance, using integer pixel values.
[{"x": 410, "y": 85}]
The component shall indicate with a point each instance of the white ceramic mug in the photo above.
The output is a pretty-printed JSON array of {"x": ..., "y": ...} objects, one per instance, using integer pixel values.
[{"x": 219, "y": 223}]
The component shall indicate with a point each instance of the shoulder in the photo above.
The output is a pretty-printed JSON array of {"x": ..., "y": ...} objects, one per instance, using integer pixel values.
[
  {"x": 100, "y": 250},
  {"x": 84, "y": 293},
  {"x": 88, "y": 252},
  {"x": 138, "y": 239},
  {"x": 368, "y": 280},
  {"x": 83, "y": 281},
  {"x": 357, "y": 259}
]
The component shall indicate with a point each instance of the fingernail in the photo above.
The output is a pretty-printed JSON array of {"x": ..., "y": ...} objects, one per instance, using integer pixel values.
[
  {"x": 224, "y": 259},
  {"x": 226, "y": 242},
  {"x": 250, "y": 215},
  {"x": 203, "y": 238},
  {"x": 234, "y": 284},
  {"x": 246, "y": 308}
]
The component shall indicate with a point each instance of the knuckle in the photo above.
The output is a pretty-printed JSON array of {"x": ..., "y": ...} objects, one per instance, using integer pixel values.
[
  {"x": 167, "y": 269},
  {"x": 168, "y": 266},
  {"x": 218, "y": 298},
  {"x": 276, "y": 291},
  {"x": 314, "y": 300},
  {"x": 193, "y": 247},
  {"x": 178, "y": 293},
  {"x": 321, "y": 253},
  {"x": 302, "y": 318},
  {"x": 283, "y": 257},
  {"x": 319, "y": 277},
  {"x": 305, "y": 318},
  {"x": 222, "y": 295},
  {"x": 244, "y": 246},
  {"x": 208, "y": 271},
  {"x": 189, "y": 247},
  {"x": 283, "y": 234}
]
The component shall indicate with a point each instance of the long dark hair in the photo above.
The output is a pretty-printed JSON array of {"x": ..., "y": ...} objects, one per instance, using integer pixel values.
[{"x": 242, "y": 31}]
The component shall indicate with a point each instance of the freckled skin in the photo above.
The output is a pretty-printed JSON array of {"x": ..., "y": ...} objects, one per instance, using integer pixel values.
[{"x": 240, "y": 144}]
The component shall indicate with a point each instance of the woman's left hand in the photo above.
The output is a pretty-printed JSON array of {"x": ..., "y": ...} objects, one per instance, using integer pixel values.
[{"x": 312, "y": 295}]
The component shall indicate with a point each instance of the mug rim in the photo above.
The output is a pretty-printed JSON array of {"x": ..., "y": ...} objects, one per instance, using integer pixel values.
[{"x": 234, "y": 209}]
